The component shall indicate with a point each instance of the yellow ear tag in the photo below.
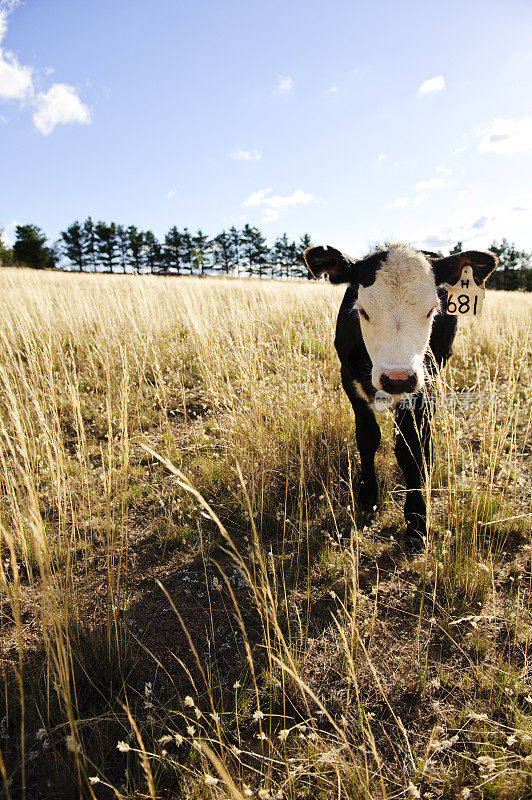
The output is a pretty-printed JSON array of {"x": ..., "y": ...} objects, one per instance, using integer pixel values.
[{"x": 465, "y": 298}]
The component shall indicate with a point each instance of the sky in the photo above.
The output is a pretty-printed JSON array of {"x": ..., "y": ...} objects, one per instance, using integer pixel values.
[{"x": 358, "y": 122}]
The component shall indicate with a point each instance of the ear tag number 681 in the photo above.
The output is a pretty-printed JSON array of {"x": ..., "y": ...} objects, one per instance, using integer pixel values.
[{"x": 465, "y": 298}]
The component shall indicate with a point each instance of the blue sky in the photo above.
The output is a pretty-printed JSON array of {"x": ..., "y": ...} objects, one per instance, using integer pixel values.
[{"x": 355, "y": 121}]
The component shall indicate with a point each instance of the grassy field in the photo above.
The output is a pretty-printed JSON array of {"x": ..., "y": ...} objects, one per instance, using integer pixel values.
[{"x": 190, "y": 607}]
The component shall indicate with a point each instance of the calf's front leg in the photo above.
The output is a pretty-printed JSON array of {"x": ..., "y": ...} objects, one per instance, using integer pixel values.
[
  {"x": 413, "y": 451},
  {"x": 368, "y": 436}
]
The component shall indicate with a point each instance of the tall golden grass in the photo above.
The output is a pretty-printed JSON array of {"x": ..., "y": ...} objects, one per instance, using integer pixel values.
[{"x": 147, "y": 422}]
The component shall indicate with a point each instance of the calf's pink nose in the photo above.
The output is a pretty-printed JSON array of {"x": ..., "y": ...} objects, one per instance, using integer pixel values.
[{"x": 398, "y": 376}]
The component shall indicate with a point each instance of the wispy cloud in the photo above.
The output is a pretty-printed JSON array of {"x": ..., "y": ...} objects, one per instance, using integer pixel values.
[
  {"x": 399, "y": 203},
  {"x": 274, "y": 204},
  {"x": 381, "y": 159},
  {"x": 433, "y": 183},
  {"x": 432, "y": 85},
  {"x": 61, "y": 104},
  {"x": 170, "y": 193},
  {"x": 285, "y": 83},
  {"x": 507, "y": 137},
  {"x": 246, "y": 155},
  {"x": 334, "y": 90}
]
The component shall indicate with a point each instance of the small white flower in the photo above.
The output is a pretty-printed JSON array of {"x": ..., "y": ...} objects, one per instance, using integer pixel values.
[
  {"x": 165, "y": 739},
  {"x": 413, "y": 791},
  {"x": 215, "y": 716},
  {"x": 95, "y": 779},
  {"x": 123, "y": 747},
  {"x": 466, "y": 793},
  {"x": 283, "y": 734},
  {"x": 72, "y": 745},
  {"x": 510, "y": 740},
  {"x": 191, "y": 730},
  {"x": 488, "y": 762},
  {"x": 210, "y": 781},
  {"x": 237, "y": 685},
  {"x": 264, "y": 794},
  {"x": 188, "y": 701},
  {"x": 258, "y": 715},
  {"x": 235, "y": 751}
]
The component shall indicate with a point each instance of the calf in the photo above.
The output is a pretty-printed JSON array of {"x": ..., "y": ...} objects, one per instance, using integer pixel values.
[{"x": 392, "y": 334}]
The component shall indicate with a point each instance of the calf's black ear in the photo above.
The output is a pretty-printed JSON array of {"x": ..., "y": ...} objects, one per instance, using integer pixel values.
[
  {"x": 449, "y": 269},
  {"x": 340, "y": 267}
]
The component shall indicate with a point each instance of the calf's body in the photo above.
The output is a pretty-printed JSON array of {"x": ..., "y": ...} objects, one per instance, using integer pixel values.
[{"x": 392, "y": 334}]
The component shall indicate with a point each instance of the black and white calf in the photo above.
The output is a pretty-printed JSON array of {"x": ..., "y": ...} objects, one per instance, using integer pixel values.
[{"x": 392, "y": 332}]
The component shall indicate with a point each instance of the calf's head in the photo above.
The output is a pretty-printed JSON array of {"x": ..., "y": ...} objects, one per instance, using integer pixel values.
[{"x": 397, "y": 300}]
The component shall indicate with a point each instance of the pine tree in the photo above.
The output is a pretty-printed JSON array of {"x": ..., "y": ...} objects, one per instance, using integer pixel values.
[
  {"x": 89, "y": 241},
  {"x": 106, "y": 245},
  {"x": 136, "y": 248},
  {"x": 223, "y": 249},
  {"x": 152, "y": 252},
  {"x": 201, "y": 247},
  {"x": 236, "y": 244},
  {"x": 304, "y": 243},
  {"x": 173, "y": 247},
  {"x": 188, "y": 250},
  {"x": 122, "y": 246},
  {"x": 73, "y": 245}
]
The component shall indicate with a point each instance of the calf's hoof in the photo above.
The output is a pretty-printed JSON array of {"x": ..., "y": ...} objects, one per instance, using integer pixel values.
[
  {"x": 414, "y": 542},
  {"x": 367, "y": 498}
]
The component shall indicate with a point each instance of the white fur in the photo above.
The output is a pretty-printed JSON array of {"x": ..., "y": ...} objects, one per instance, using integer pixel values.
[{"x": 398, "y": 331}]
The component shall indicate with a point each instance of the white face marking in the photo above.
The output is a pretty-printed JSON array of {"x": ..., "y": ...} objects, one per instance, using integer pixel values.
[{"x": 399, "y": 305}]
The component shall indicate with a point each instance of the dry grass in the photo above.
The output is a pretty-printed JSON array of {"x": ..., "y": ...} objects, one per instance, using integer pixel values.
[{"x": 182, "y": 574}]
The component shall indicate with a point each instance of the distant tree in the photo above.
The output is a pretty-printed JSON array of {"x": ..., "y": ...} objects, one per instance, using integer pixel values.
[
  {"x": 122, "y": 246},
  {"x": 236, "y": 243},
  {"x": 223, "y": 249},
  {"x": 73, "y": 245},
  {"x": 89, "y": 239},
  {"x": 136, "y": 248},
  {"x": 54, "y": 254},
  {"x": 458, "y": 248},
  {"x": 173, "y": 248},
  {"x": 152, "y": 253},
  {"x": 304, "y": 243},
  {"x": 201, "y": 248},
  {"x": 106, "y": 245},
  {"x": 187, "y": 258},
  {"x": 255, "y": 250},
  {"x": 7, "y": 258},
  {"x": 281, "y": 250},
  {"x": 29, "y": 248},
  {"x": 514, "y": 267}
]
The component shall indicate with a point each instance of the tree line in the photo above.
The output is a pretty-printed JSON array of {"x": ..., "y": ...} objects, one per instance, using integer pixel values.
[
  {"x": 112, "y": 248},
  {"x": 108, "y": 247}
]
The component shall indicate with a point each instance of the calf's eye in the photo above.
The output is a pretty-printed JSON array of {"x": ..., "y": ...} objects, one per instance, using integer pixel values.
[{"x": 363, "y": 314}]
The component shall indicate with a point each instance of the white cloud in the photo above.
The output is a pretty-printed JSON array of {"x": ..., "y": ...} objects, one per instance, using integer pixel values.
[
  {"x": 443, "y": 170},
  {"x": 381, "y": 158},
  {"x": 274, "y": 204},
  {"x": 420, "y": 198},
  {"x": 58, "y": 106},
  {"x": 16, "y": 80},
  {"x": 507, "y": 137},
  {"x": 434, "y": 183},
  {"x": 399, "y": 203},
  {"x": 285, "y": 83},
  {"x": 170, "y": 193},
  {"x": 246, "y": 155},
  {"x": 432, "y": 85},
  {"x": 334, "y": 89}
]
